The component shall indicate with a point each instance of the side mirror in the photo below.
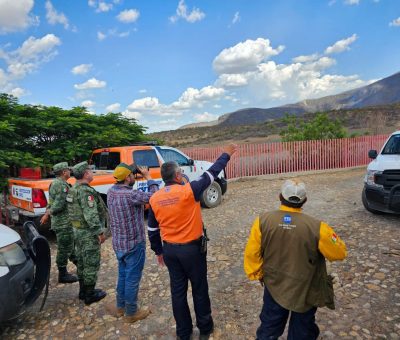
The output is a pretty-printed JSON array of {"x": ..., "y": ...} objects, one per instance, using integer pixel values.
[
  {"x": 372, "y": 154},
  {"x": 190, "y": 162}
]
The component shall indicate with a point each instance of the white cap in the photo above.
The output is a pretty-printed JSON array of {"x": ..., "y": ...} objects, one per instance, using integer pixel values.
[{"x": 294, "y": 191}]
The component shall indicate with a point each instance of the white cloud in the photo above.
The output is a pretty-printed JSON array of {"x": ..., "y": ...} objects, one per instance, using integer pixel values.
[
  {"x": 88, "y": 103},
  {"x": 341, "y": 45},
  {"x": 236, "y": 18},
  {"x": 113, "y": 107},
  {"x": 53, "y": 17},
  {"x": 306, "y": 58},
  {"x": 128, "y": 16},
  {"x": 15, "y": 15},
  {"x": 132, "y": 114},
  {"x": 101, "y": 36},
  {"x": 81, "y": 69},
  {"x": 395, "y": 22},
  {"x": 102, "y": 6},
  {"x": 18, "y": 92},
  {"x": 33, "y": 49},
  {"x": 244, "y": 56},
  {"x": 270, "y": 84},
  {"x": 27, "y": 58},
  {"x": 205, "y": 117},
  {"x": 182, "y": 12},
  {"x": 351, "y": 2},
  {"x": 92, "y": 83},
  {"x": 112, "y": 33},
  {"x": 231, "y": 80},
  {"x": 192, "y": 97},
  {"x": 143, "y": 91},
  {"x": 147, "y": 103}
]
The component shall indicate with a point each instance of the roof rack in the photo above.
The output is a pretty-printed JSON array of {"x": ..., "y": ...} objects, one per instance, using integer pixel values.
[{"x": 150, "y": 143}]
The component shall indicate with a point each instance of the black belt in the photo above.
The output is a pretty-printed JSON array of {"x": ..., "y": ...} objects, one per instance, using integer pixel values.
[{"x": 198, "y": 241}]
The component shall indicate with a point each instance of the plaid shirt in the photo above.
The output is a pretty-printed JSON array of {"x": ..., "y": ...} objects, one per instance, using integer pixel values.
[{"x": 126, "y": 211}]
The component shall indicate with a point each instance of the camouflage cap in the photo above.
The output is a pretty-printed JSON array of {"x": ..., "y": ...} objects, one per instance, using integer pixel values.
[
  {"x": 60, "y": 166},
  {"x": 80, "y": 168}
]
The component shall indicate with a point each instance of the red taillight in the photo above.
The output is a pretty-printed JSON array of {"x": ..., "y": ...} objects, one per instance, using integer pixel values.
[{"x": 38, "y": 198}]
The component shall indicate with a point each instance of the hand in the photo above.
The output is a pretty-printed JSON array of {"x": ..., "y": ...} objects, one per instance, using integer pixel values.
[
  {"x": 230, "y": 149},
  {"x": 160, "y": 260},
  {"x": 45, "y": 218},
  {"x": 102, "y": 238},
  {"x": 145, "y": 172}
]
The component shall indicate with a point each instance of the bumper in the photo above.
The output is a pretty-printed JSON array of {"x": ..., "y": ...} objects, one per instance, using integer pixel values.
[
  {"x": 14, "y": 288},
  {"x": 383, "y": 200}
]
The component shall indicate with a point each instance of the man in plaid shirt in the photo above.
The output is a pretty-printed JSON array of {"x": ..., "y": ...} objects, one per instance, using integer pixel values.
[{"x": 126, "y": 211}]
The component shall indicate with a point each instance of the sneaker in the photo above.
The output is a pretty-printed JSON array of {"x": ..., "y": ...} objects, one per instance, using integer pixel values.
[
  {"x": 113, "y": 310},
  {"x": 139, "y": 315}
]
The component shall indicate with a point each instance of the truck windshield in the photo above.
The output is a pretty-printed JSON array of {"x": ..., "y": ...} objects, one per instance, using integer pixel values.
[
  {"x": 105, "y": 160},
  {"x": 392, "y": 147},
  {"x": 146, "y": 158}
]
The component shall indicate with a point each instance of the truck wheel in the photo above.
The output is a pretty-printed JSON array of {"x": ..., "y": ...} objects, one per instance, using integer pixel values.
[
  {"x": 366, "y": 206},
  {"x": 212, "y": 196}
]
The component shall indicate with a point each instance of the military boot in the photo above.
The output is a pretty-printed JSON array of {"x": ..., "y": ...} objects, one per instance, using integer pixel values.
[
  {"x": 93, "y": 295},
  {"x": 81, "y": 290},
  {"x": 65, "y": 277}
]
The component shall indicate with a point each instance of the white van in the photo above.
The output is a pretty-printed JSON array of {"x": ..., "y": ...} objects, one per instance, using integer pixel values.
[{"x": 381, "y": 191}]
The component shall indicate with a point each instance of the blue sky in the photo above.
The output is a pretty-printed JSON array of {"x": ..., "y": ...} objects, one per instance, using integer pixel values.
[{"x": 168, "y": 62}]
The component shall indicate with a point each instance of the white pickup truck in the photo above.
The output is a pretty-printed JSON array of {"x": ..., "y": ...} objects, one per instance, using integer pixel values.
[{"x": 381, "y": 193}]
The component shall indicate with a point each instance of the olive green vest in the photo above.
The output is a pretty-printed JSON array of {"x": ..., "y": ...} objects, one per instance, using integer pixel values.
[{"x": 294, "y": 269}]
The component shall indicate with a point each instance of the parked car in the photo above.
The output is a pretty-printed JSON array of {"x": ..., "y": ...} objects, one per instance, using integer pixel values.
[
  {"x": 381, "y": 193},
  {"x": 28, "y": 196},
  {"x": 24, "y": 270}
]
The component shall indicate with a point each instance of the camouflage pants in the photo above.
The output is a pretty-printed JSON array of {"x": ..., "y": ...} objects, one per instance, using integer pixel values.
[
  {"x": 65, "y": 246},
  {"x": 88, "y": 255}
]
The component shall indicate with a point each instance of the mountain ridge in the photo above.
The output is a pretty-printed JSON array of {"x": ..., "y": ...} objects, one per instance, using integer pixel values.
[{"x": 382, "y": 92}]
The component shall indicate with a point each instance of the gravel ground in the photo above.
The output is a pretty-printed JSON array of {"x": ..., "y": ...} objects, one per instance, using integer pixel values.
[{"x": 367, "y": 297}]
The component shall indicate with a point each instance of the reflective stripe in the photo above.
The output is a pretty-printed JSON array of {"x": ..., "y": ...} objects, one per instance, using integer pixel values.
[
  {"x": 210, "y": 175},
  {"x": 152, "y": 229}
]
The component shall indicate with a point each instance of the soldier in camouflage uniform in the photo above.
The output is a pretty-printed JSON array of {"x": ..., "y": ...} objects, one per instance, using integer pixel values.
[
  {"x": 88, "y": 215},
  {"x": 60, "y": 224}
]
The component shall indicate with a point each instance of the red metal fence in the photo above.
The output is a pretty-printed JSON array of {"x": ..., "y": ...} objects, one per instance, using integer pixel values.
[{"x": 285, "y": 157}]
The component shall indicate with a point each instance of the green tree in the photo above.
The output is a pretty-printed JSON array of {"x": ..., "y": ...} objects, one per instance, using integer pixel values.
[
  {"x": 42, "y": 136},
  {"x": 320, "y": 127}
]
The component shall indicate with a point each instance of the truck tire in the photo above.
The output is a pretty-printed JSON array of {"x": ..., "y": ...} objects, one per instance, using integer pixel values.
[
  {"x": 212, "y": 196},
  {"x": 366, "y": 206}
]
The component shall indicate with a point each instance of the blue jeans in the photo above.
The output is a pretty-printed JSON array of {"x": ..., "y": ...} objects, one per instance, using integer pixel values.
[
  {"x": 273, "y": 318},
  {"x": 130, "y": 268}
]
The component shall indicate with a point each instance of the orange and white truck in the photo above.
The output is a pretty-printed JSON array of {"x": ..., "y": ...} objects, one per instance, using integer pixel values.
[{"x": 28, "y": 197}]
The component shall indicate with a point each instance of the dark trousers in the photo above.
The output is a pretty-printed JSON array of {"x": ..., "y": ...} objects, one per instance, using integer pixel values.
[
  {"x": 186, "y": 263},
  {"x": 273, "y": 318}
]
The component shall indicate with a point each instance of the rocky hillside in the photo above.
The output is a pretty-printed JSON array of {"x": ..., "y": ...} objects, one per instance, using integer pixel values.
[
  {"x": 368, "y": 120},
  {"x": 383, "y": 92}
]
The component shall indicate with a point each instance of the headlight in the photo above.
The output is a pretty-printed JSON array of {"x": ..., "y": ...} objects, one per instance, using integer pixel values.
[
  {"x": 370, "y": 178},
  {"x": 12, "y": 255}
]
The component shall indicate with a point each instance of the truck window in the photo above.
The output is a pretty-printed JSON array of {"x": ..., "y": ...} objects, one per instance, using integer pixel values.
[
  {"x": 392, "y": 146},
  {"x": 172, "y": 155},
  {"x": 146, "y": 158},
  {"x": 105, "y": 160}
]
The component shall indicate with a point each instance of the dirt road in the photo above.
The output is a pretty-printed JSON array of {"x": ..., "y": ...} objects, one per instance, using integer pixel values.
[{"x": 367, "y": 301}]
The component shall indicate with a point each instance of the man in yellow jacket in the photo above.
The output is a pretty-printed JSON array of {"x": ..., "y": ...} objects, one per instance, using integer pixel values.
[{"x": 286, "y": 251}]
